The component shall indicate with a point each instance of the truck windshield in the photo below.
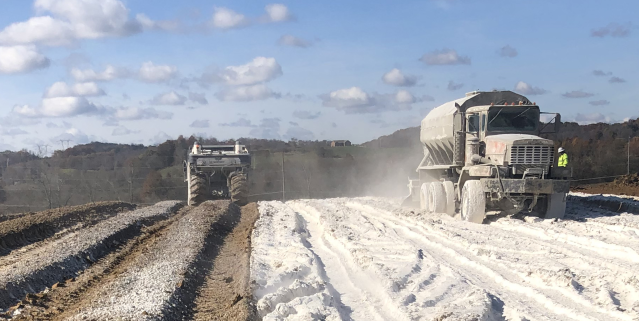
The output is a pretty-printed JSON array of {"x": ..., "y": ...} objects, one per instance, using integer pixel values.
[{"x": 513, "y": 119}]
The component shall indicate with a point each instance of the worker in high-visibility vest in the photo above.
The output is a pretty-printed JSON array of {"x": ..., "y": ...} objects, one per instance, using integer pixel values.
[{"x": 563, "y": 158}]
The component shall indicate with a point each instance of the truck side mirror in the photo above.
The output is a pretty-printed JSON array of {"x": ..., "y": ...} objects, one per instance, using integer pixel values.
[{"x": 550, "y": 125}]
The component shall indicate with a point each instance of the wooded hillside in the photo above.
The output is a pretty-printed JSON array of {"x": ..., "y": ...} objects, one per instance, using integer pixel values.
[{"x": 311, "y": 169}]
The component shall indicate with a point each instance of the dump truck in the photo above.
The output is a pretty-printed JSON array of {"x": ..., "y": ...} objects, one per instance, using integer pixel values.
[
  {"x": 483, "y": 153},
  {"x": 217, "y": 172}
]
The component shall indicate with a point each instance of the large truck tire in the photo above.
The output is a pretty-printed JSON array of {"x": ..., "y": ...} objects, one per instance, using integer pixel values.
[
  {"x": 198, "y": 189},
  {"x": 473, "y": 202},
  {"x": 555, "y": 206},
  {"x": 239, "y": 189},
  {"x": 449, "y": 187},
  {"x": 423, "y": 197},
  {"x": 437, "y": 198}
]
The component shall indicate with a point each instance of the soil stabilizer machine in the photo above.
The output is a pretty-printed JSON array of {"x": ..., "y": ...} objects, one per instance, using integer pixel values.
[
  {"x": 483, "y": 153},
  {"x": 217, "y": 172}
]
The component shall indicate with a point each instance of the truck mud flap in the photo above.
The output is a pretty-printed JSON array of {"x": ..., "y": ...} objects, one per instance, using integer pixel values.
[{"x": 526, "y": 186}]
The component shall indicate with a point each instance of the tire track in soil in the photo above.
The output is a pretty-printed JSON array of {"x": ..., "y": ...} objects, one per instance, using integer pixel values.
[
  {"x": 33, "y": 227},
  {"x": 225, "y": 293}
]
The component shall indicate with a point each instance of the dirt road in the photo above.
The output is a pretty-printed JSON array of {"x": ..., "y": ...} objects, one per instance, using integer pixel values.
[
  {"x": 367, "y": 259},
  {"x": 158, "y": 262}
]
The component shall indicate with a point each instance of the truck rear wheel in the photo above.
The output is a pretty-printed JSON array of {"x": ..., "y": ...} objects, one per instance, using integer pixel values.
[
  {"x": 436, "y": 198},
  {"x": 239, "y": 189},
  {"x": 449, "y": 187},
  {"x": 473, "y": 202},
  {"x": 423, "y": 197},
  {"x": 197, "y": 189}
]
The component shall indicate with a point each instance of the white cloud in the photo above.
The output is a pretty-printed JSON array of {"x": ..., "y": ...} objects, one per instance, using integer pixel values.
[
  {"x": 584, "y": 119},
  {"x": 110, "y": 73},
  {"x": 224, "y": 18},
  {"x": 66, "y": 106},
  {"x": 171, "y": 98},
  {"x": 602, "y": 102},
  {"x": 18, "y": 59},
  {"x": 261, "y": 69},
  {"x": 59, "y": 107},
  {"x": 527, "y": 89},
  {"x": 355, "y": 100},
  {"x": 71, "y": 20},
  {"x": 444, "y": 57},
  {"x": 135, "y": 113},
  {"x": 289, "y": 40},
  {"x": 200, "y": 123},
  {"x": 199, "y": 98},
  {"x": 62, "y": 89},
  {"x": 246, "y": 93},
  {"x": 348, "y": 98},
  {"x": 152, "y": 73},
  {"x": 397, "y": 78},
  {"x": 404, "y": 97},
  {"x": 278, "y": 12}
]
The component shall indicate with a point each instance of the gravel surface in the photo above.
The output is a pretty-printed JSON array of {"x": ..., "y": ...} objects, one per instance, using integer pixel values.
[
  {"x": 150, "y": 287},
  {"x": 54, "y": 261},
  {"x": 27, "y": 228},
  {"x": 225, "y": 293}
]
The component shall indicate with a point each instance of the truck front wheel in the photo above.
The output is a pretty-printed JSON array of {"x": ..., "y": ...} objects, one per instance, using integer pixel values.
[
  {"x": 473, "y": 202},
  {"x": 423, "y": 197},
  {"x": 437, "y": 198}
]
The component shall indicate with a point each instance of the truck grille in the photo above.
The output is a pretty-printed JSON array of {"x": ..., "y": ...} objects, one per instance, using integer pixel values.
[{"x": 528, "y": 154}]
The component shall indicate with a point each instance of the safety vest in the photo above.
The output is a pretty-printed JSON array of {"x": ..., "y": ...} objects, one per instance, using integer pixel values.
[{"x": 563, "y": 160}]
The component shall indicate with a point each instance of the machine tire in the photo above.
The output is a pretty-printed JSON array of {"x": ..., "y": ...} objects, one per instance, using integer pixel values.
[
  {"x": 436, "y": 198},
  {"x": 423, "y": 197},
  {"x": 239, "y": 189},
  {"x": 449, "y": 187},
  {"x": 473, "y": 202},
  {"x": 198, "y": 189},
  {"x": 555, "y": 206}
]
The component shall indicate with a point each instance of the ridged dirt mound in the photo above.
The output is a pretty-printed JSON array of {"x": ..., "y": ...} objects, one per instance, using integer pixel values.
[
  {"x": 191, "y": 266},
  {"x": 34, "y": 227}
]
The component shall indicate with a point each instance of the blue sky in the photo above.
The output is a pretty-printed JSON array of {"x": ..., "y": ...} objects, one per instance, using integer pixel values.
[{"x": 144, "y": 71}]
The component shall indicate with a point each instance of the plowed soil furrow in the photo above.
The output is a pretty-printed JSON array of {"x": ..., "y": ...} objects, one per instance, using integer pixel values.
[
  {"x": 64, "y": 257},
  {"x": 64, "y": 299},
  {"x": 194, "y": 265},
  {"x": 225, "y": 293},
  {"x": 30, "y": 228},
  {"x": 161, "y": 281}
]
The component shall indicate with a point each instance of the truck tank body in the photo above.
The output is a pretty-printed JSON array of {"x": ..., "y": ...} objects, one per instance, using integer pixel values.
[{"x": 438, "y": 127}]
